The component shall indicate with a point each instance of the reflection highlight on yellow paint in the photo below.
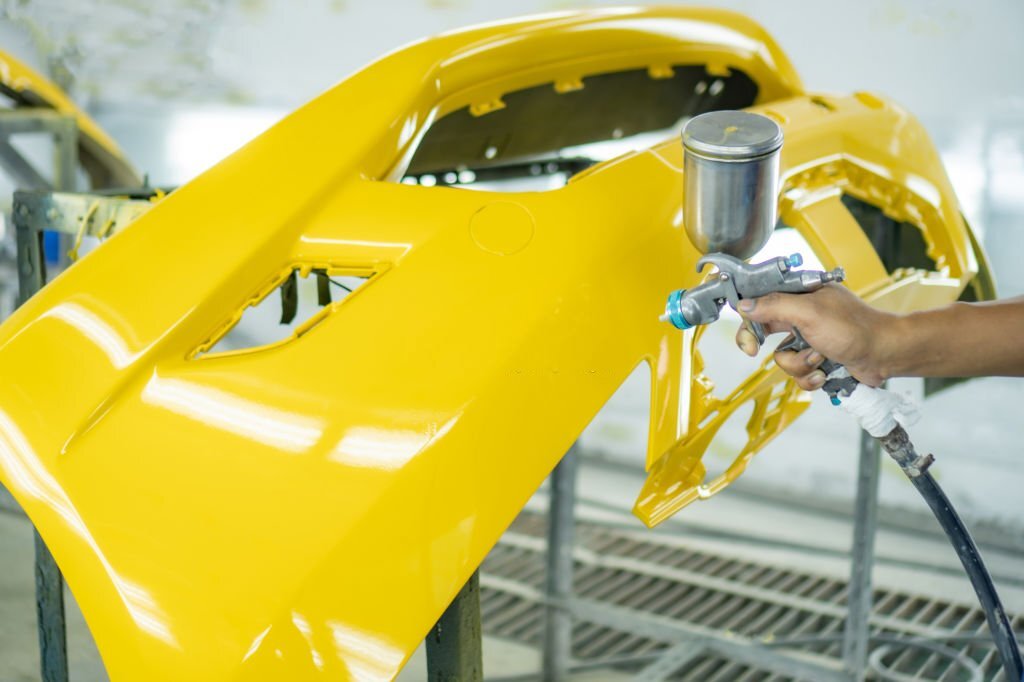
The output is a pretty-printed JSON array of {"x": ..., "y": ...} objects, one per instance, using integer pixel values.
[
  {"x": 368, "y": 658},
  {"x": 306, "y": 630},
  {"x": 385, "y": 449},
  {"x": 229, "y": 412},
  {"x": 144, "y": 610},
  {"x": 256, "y": 643},
  {"x": 373, "y": 448},
  {"x": 389, "y": 250},
  {"x": 23, "y": 468},
  {"x": 91, "y": 326}
]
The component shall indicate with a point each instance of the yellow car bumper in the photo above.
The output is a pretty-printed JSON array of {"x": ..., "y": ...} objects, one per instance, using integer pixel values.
[{"x": 307, "y": 510}]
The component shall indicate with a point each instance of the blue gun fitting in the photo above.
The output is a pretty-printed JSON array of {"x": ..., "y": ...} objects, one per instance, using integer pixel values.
[
  {"x": 835, "y": 400},
  {"x": 675, "y": 311},
  {"x": 794, "y": 260}
]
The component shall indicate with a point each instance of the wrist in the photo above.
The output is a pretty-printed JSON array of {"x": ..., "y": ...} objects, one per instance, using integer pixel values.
[{"x": 891, "y": 334}]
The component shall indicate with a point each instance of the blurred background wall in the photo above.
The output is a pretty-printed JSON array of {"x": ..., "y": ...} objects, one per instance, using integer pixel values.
[{"x": 182, "y": 83}]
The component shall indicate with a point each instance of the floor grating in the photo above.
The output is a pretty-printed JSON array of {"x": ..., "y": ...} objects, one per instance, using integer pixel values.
[{"x": 787, "y": 608}]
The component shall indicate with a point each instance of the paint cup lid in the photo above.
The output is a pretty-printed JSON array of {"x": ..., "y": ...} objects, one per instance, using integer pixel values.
[{"x": 731, "y": 135}]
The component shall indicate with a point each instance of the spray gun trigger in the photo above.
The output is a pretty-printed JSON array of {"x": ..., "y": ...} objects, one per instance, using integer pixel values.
[
  {"x": 795, "y": 343},
  {"x": 757, "y": 329}
]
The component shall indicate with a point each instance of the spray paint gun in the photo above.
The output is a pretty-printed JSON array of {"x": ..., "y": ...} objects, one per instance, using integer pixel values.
[
  {"x": 737, "y": 280},
  {"x": 730, "y": 166}
]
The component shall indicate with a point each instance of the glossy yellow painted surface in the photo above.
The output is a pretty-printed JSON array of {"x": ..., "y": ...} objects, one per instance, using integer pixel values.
[
  {"x": 103, "y": 159},
  {"x": 306, "y": 511}
]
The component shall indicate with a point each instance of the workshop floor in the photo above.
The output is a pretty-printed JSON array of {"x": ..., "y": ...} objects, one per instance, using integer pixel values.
[{"x": 746, "y": 525}]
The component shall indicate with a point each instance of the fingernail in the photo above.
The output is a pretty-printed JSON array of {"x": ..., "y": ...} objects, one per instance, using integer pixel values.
[
  {"x": 749, "y": 347},
  {"x": 817, "y": 379},
  {"x": 747, "y": 304},
  {"x": 814, "y": 358}
]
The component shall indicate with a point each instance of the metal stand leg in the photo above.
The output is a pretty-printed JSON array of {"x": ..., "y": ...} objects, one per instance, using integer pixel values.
[
  {"x": 53, "y": 653},
  {"x": 65, "y": 162},
  {"x": 558, "y": 626},
  {"x": 455, "y": 644},
  {"x": 857, "y": 632},
  {"x": 65, "y": 157}
]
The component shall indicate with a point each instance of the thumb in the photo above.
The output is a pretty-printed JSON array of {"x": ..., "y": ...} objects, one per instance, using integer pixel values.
[{"x": 781, "y": 311}]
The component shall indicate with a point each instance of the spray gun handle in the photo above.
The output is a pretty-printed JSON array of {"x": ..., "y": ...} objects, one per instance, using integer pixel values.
[{"x": 838, "y": 380}]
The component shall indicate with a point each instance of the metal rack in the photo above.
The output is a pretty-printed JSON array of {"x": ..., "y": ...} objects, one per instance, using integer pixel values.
[
  {"x": 666, "y": 593},
  {"x": 692, "y": 643}
]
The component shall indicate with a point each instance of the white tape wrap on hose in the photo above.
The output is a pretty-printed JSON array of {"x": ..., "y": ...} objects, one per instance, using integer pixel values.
[{"x": 878, "y": 410}]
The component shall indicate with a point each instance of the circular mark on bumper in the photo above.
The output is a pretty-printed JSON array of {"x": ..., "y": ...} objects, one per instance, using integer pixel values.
[{"x": 503, "y": 228}]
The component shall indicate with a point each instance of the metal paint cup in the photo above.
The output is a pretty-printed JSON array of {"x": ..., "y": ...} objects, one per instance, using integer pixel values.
[{"x": 731, "y": 179}]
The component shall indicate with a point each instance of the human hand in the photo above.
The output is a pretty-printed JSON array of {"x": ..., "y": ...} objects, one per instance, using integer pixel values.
[{"x": 835, "y": 323}]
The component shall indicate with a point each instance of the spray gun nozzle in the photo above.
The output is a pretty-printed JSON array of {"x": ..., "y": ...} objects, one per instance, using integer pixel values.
[{"x": 674, "y": 310}]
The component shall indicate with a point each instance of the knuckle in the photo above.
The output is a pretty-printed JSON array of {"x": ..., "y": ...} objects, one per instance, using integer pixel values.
[
  {"x": 790, "y": 362},
  {"x": 805, "y": 384}
]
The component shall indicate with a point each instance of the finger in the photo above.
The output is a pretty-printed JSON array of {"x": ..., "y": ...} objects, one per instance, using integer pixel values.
[
  {"x": 779, "y": 311},
  {"x": 812, "y": 381},
  {"x": 746, "y": 341},
  {"x": 798, "y": 363}
]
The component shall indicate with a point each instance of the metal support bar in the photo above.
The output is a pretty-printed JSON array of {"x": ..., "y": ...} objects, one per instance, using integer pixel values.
[
  {"x": 558, "y": 620},
  {"x": 53, "y": 650},
  {"x": 671, "y": 660},
  {"x": 65, "y": 155},
  {"x": 65, "y": 212},
  {"x": 455, "y": 644},
  {"x": 33, "y": 120},
  {"x": 856, "y": 634},
  {"x": 31, "y": 266},
  {"x": 53, "y": 657},
  {"x": 65, "y": 163},
  {"x": 799, "y": 665}
]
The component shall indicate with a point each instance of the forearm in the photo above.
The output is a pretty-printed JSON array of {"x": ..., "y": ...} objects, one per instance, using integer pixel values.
[{"x": 959, "y": 340}]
